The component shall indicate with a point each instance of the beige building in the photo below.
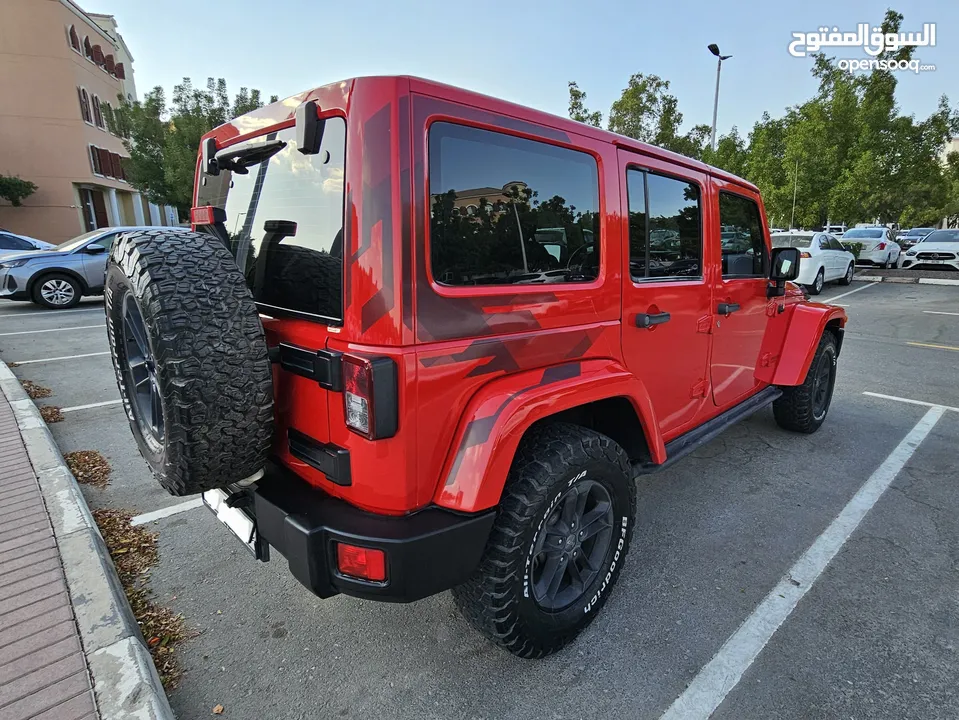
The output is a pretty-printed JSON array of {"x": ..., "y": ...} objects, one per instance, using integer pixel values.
[{"x": 59, "y": 68}]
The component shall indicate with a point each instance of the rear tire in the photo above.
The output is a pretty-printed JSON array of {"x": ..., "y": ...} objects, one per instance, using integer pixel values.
[
  {"x": 818, "y": 283},
  {"x": 190, "y": 359},
  {"x": 803, "y": 408},
  {"x": 847, "y": 278},
  {"x": 56, "y": 291},
  {"x": 508, "y": 596}
]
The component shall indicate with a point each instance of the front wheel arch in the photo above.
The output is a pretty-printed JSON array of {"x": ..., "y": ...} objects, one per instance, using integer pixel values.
[{"x": 46, "y": 272}]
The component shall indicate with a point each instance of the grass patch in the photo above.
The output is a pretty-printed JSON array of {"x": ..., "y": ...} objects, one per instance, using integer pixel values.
[
  {"x": 89, "y": 467},
  {"x": 51, "y": 414},
  {"x": 134, "y": 552},
  {"x": 36, "y": 391}
]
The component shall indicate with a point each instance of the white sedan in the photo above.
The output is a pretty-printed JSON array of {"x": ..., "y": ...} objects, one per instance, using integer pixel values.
[
  {"x": 822, "y": 258},
  {"x": 937, "y": 251},
  {"x": 878, "y": 247}
]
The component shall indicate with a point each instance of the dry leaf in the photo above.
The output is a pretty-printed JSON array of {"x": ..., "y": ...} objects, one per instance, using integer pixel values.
[{"x": 218, "y": 709}]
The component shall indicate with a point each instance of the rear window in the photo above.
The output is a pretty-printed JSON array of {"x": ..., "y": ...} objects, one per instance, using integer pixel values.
[
  {"x": 863, "y": 233},
  {"x": 796, "y": 241},
  {"x": 510, "y": 211},
  {"x": 284, "y": 219}
]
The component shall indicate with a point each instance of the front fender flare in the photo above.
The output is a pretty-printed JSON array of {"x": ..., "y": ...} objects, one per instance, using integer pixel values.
[
  {"x": 807, "y": 323},
  {"x": 499, "y": 414}
]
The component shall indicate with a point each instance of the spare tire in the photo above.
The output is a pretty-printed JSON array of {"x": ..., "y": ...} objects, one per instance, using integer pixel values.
[{"x": 190, "y": 358}]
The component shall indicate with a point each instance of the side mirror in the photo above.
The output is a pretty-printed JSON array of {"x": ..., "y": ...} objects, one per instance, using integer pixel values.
[
  {"x": 784, "y": 266},
  {"x": 94, "y": 249}
]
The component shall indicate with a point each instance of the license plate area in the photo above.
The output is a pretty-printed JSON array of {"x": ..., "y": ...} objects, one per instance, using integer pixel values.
[{"x": 235, "y": 511}]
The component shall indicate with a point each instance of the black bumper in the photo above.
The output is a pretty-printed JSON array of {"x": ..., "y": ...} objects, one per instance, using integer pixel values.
[{"x": 426, "y": 552}]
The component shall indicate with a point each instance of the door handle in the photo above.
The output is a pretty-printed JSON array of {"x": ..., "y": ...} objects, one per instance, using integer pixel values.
[
  {"x": 647, "y": 321},
  {"x": 727, "y": 308}
]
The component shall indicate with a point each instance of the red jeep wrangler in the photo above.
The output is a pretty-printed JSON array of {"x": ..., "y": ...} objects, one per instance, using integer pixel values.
[{"x": 422, "y": 339}]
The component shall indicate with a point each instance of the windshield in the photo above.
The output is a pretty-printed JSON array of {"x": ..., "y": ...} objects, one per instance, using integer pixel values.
[
  {"x": 942, "y": 236},
  {"x": 796, "y": 241},
  {"x": 919, "y": 232},
  {"x": 78, "y": 241},
  {"x": 284, "y": 218},
  {"x": 863, "y": 233}
]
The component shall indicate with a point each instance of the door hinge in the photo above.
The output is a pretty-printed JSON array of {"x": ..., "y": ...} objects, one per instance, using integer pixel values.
[
  {"x": 698, "y": 390},
  {"x": 705, "y": 324}
]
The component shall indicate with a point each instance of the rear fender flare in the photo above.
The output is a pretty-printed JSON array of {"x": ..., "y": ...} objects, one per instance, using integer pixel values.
[
  {"x": 807, "y": 323},
  {"x": 499, "y": 414}
]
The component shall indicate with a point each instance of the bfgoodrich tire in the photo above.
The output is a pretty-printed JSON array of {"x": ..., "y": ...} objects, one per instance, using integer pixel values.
[
  {"x": 543, "y": 577},
  {"x": 190, "y": 359},
  {"x": 803, "y": 408}
]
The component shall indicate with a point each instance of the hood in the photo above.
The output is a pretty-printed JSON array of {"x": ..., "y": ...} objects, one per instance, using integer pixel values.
[{"x": 16, "y": 255}]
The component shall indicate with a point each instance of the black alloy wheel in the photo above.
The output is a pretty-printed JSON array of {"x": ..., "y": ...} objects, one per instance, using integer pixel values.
[{"x": 139, "y": 371}]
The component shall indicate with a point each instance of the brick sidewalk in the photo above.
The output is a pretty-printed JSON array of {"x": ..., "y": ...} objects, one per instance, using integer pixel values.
[{"x": 43, "y": 671}]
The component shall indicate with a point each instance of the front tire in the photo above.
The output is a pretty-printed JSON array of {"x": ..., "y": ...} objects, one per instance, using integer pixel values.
[
  {"x": 190, "y": 359},
  {"x": 818, "y": 283},
  {"x": 57, "y": 292},
  {"x": 803, "y": 408},
  {"x": 847, "y": 278},
  {"x": 543, "y": 577}
]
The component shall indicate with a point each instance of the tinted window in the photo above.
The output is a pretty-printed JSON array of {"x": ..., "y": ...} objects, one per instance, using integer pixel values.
[
  {"x": 941, "y": 236},
  {"x": 665, "y": 226},
  {"x": 285, "y": 222},
  {"x": 834, "y": 244},
  {"x": 9, "y": 242},
  {"x": 506, "y": 210},
  {"x": 864, "y": 233},
  {"x": 796, "y": 241},
  {"x": 744, "y": 250},
  {"x": 106, "y": 241}
]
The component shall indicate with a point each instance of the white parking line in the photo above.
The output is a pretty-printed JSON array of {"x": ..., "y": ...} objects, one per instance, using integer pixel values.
[
  {"x": 62, "y": 357},
  {"x": 858, "y": 289},
  {"x": 91, "y": 405},
  {"x": 166, "y": 512},
  {"x": 33, "y": 332},
  {"x": 938, "y": 312},
  {"x": 48, "y": 312},
  {"x": 910, "y": 401},
  {"x": 721, "y": 674}
]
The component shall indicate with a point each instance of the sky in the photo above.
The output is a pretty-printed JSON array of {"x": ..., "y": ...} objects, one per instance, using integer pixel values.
[{"x": 525, "y": 52}]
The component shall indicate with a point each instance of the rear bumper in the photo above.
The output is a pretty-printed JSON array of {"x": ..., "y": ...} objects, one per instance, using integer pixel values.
[{"x": 427, "y": 552}]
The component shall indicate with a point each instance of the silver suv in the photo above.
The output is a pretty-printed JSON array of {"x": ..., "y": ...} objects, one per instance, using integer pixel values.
[{"x": 59, "y": 278}]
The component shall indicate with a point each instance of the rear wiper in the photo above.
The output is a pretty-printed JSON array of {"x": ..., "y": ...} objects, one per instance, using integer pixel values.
[{"x": 238, "y": 158}]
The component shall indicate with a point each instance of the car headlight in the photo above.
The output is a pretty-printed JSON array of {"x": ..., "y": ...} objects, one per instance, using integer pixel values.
[
  {"x": 911, "y": 253},
  {"x": 13, "y": 264}
]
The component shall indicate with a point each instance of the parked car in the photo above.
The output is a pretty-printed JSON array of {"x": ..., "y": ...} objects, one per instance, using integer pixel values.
[
  {"x": 908, "y": 238},
  {"x": 878, "y": 247},
  {"x": 58, "y": 278},
  {"x": 387, "y": 408},
  {"x": 823, "y": 258},
  {"x": 937, "y": 251},
  {"x": 12, "y": 244},
  {"x": 836, "y": 231}
]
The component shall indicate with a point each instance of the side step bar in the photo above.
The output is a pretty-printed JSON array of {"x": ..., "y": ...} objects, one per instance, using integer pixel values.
[{"x": 686, "y": 443}]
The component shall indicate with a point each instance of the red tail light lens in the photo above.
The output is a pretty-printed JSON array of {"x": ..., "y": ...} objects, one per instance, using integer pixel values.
[
  {"x": 202, "y": 215},
  {"x": 370, "y": 403},
  {"x": 805, "y": 255},
  {"x": 357, "y": 395},
  {"x": 361, "y": 562},
  {"x": 881, "y": 246}
]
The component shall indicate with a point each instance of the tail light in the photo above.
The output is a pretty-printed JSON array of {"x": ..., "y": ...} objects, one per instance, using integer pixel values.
[
  {"x": 207, "y": 215},
  {"x": 361, "y": 562},
  {"x": 881, "y": 246},
  {"x": 369, "y": 396},
  {"x": 805, "y": 255}
]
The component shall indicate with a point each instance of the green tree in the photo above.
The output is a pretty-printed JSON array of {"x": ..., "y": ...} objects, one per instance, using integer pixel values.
[
  {"x": 163, "y": 142},
  {"x": 15, "y": 189},
  {"x": 577, "y": 107}
]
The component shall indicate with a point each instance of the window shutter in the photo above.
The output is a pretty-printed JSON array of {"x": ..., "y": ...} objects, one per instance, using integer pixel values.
[
  {"x": 98, "y": 55},
  {"x": 115, "y": 165},
  {"x": 110, "y": 64},
  {"x": 120, "y": 72},
  {"x": 94, "y": 160},
  {"x": 104, "y": 161}
]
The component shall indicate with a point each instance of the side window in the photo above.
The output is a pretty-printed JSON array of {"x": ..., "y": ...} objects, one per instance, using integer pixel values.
[
  {"x": 507, "y": 211},
  {"x": 665, "y": 227},
  {"x": 8, "y": 242},
  {"x": 743, "y": 243},
  {"x": 106, "y": 242}
]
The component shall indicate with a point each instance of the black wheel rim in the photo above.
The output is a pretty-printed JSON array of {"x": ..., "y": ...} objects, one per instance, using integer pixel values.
[
  {"x": 571, "y": 547},
  {"x": 822, "y": 384},
  {"x": 139, "y": 371}
]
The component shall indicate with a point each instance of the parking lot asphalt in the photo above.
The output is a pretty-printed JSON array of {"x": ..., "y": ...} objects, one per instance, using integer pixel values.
[{"x": 875, "y": 636}]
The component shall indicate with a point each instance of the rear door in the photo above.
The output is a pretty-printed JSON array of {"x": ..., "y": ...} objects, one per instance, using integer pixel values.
[
  {"x": 666, "y": 295},
  {"x": 740, "y": 295},
  {"x": 830, "y": 262}
]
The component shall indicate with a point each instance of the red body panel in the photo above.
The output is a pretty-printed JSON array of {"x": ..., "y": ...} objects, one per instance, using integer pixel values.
[{"x": 476, "y": 365}]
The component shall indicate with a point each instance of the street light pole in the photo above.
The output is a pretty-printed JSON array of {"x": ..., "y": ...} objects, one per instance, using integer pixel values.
[{"x": 714, "y": 49}]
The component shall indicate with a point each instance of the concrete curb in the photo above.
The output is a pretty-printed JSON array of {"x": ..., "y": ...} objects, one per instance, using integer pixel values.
[
  {"x": 124, "y": 679},
  {"x": 905, "y": 280}
]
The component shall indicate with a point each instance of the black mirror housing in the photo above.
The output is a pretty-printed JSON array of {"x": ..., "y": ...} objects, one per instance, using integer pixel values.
[{"x": 783, "y": 266}]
